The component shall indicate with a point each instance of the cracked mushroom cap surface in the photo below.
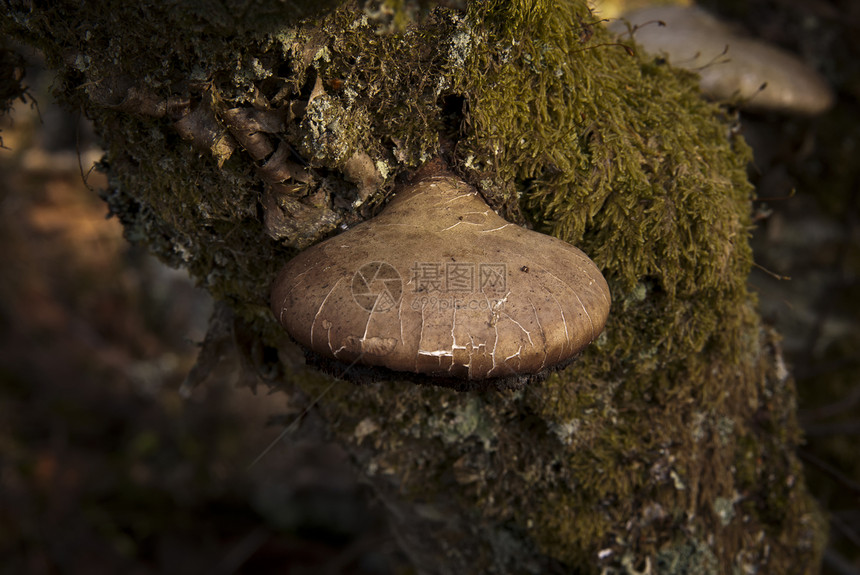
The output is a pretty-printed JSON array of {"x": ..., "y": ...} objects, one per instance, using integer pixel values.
[{"x": 439, "y": 285}]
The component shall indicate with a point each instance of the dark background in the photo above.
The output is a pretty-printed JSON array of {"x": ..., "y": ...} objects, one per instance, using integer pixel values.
[{"x": 104, "y": 468}]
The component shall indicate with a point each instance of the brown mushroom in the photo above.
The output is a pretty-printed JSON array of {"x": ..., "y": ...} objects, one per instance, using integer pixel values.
[
  {"x": 440, "y": 286},
  {"x": 760, "y": 77}
]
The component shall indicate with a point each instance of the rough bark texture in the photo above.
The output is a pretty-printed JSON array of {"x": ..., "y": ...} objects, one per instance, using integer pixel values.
[{"x": 235, "y": 139}]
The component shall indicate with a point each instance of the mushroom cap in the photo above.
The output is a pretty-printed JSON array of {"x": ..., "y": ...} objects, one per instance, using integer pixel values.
[
  {"x": 439, "y": 285},
  {"x": 729, "y": 65}
]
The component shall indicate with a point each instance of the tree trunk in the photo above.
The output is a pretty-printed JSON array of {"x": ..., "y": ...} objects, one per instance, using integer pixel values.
[{"x": 236, "y": 138}]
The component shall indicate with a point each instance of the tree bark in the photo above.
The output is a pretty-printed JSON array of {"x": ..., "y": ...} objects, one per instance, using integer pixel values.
[{"x": 236, "y": 139}]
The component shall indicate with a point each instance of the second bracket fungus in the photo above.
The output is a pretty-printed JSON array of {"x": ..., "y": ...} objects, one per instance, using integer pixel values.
[
  {"x": 441, "y": 287},
  {"x": 732, "y": 67}
]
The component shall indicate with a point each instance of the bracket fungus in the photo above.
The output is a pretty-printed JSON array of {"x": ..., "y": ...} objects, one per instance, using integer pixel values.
[
  {"x": 731, "y": 67},
  {"x": 440, "y": 288}
]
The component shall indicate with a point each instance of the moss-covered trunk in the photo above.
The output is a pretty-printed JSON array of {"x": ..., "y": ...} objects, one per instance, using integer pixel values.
[{"x": 236, "y": 138}]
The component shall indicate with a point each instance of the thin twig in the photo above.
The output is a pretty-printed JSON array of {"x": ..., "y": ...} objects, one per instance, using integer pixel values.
[
  {"x": 830, "y": 470},
  {"x": 295, "y": 423}
]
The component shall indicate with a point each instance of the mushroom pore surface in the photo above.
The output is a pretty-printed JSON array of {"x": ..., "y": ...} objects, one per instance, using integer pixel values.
[{"x": 440, "y": 286}]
